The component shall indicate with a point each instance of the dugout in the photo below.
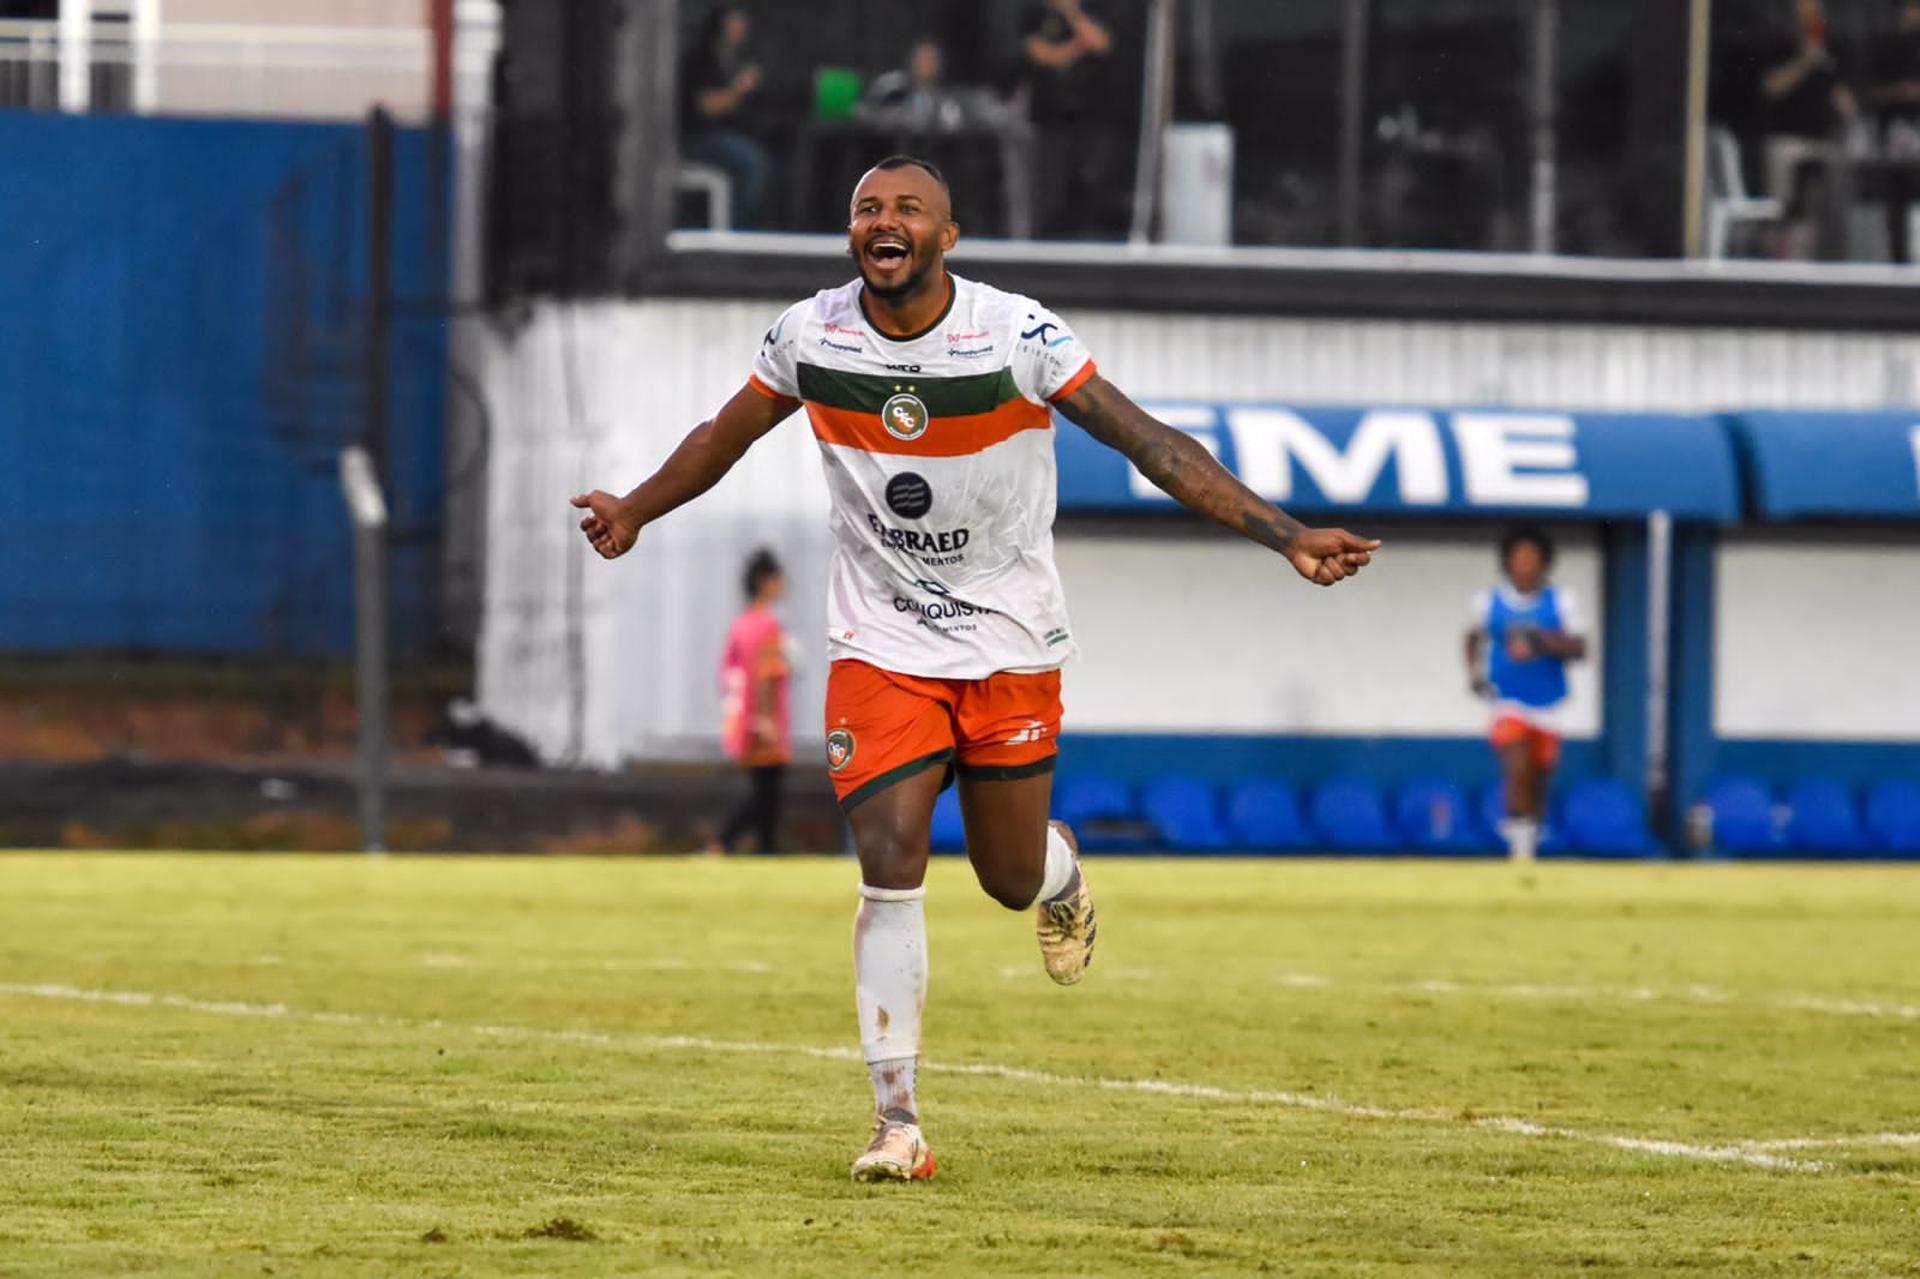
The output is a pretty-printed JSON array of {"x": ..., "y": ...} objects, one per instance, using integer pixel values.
[
  {"x": 1202, "y": 658},
  {"x": 1796, "y": 629}
]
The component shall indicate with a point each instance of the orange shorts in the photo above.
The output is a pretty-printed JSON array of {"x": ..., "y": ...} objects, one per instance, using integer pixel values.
[
  {"x": 884, "y": 727},
  {"x": 1543, "y": 745}
]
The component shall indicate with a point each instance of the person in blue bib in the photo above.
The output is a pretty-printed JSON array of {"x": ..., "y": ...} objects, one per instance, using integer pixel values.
[{"x": 1522, "y": 634}]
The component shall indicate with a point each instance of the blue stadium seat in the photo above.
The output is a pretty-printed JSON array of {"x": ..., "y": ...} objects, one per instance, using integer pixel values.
[
  {"x": 1434, "y": 817},
  {"x": 1265, "y": 816},
  {"x": 1351, "y": 818},
  {"x": 1185, "y": 812},
  {"x": 1825, "y": 821},
  {"x": 1743, "y": 817},
  {"x": 1893, "y": 817},
  {"x": 1102, "y": 812},
  {"x": 1603, "y": 818},
  {"x": 949, "y": 831},
  {"x": 1493, "y": 810}
]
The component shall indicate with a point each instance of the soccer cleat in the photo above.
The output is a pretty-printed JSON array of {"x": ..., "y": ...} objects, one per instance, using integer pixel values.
[
  {"x": 1066, "y": 928},
  {"x": 897, "y": 1153}
]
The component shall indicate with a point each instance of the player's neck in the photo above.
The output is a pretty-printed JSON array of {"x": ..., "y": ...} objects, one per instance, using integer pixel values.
[{"x": 911, "y": 315}]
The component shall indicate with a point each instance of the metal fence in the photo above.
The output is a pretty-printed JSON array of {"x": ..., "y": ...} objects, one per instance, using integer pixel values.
[{"x": 124, "y": 62}]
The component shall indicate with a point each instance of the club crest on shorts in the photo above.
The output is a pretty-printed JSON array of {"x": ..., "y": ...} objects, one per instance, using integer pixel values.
[
  {"x": 839, "y": 749},
  {"x": 904, "y": 416}
]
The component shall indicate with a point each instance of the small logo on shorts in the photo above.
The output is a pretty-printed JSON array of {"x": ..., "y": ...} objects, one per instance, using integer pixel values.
[
  {"x": 839, "y": 749},
  {"x": 904, "y": 416},
  {"x": 1032, "y": 731}
]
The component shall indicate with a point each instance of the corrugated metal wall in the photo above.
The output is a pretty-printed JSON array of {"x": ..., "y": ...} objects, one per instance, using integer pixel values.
[{"x": 602, "y": 662}]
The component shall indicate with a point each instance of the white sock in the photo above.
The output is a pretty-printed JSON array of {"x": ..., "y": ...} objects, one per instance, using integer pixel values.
[
  {"x": 1523, "y": 837},
  {"x": 1057, "y": 878},
  {"x": 890, "y": 988},
  {"x": 893, "y": 1089}
]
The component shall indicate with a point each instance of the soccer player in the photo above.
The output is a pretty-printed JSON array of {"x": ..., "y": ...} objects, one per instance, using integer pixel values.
[
  {"x": 931, "y": 398},
  {"x": 1522, "y": 635}
]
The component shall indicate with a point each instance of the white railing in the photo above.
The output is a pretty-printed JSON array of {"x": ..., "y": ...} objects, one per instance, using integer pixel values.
[{"x": 235, "y": 69}]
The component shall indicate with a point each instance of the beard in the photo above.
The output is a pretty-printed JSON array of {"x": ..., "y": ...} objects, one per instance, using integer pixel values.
[{"x": 905, "y": 287}]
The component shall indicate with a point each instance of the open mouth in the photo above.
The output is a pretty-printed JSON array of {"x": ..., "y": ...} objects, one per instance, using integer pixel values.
[{"x": 887, "y": 251}]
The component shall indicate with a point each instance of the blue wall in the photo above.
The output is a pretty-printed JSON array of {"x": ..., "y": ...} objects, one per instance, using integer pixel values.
[
  {"x": 180, "y": 348},
  {"x": 1221, "y": 759}
]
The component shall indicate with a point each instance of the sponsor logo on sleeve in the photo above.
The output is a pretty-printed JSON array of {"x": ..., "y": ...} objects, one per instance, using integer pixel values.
[{"x": 1047, "y": 333}]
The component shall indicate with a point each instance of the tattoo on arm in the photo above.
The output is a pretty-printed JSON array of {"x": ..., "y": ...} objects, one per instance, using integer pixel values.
[{"x": 1179, "y": 464}]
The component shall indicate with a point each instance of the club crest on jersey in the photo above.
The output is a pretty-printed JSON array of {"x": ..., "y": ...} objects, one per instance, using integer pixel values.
[
  {"x": 839, "y": 749},
  {"x": 904, "y": 416}
]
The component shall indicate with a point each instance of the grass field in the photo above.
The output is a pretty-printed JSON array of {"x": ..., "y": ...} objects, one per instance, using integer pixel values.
[{"x": 338, "y": 1066}]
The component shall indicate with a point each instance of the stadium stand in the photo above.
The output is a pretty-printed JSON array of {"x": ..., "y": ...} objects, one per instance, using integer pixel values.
[
  {"x": 1186, "y": 813},
  {"x": 1893, "y": 816},
  {"x": 1434, "y": 817},
  {"x": 1103, "y": 813},
  {"x": 1825, "y": 820},
  {"x": 1351, "y": 817},
  {"x": 1603, "y": 818},
  {"x": 1745, "y": 820},
  {"x": 1264, "y": 816}
]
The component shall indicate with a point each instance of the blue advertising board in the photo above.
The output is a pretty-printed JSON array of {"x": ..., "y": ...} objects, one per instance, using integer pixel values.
[
  {"x": 1483, "y": 463},
  {"x": 1854, "y": 466}
]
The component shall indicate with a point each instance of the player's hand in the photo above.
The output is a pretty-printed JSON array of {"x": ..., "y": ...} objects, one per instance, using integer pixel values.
[
  {"x": 1326, "y": 555},
  {"x": 607, "y": 525}
]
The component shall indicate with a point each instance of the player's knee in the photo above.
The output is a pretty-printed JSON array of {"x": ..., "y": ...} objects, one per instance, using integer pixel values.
[
  {"x": 1013, "y": 889},
  {"x": 891, "y": 858}
]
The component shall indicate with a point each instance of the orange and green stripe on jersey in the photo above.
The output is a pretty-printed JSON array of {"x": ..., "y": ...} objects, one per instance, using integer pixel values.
[{"x": 918, "y": 414}]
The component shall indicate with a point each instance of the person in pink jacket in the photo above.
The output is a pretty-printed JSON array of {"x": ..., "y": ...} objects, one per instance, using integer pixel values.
[{"x": 754, "y": 675}]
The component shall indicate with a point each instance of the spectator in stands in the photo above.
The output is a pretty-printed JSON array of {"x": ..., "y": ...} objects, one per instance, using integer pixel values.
[
  {"x": 1808, "y": 103},
  {"x": 1896, "y": 92},
  {"x": 754, "y": 674},
  {"x": 915, "y": 94},
  {"x": 1061, "y": 47},
  {"x": 1523, "y": 633},
  {"x": 717, "y": 80}
]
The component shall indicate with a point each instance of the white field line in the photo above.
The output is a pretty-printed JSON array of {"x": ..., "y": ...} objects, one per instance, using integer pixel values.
[
  {"x": 1691, "y": 994},
  {"x": 1754, "y": 1154},
  {"x": 1829, "y": 1143}
]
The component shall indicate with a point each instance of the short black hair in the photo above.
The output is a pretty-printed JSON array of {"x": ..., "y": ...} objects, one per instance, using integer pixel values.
[
  {"x": 761, "y": 565},
  {"x": 1520, "y": 533},
  {"x": 915, "y": 162}
]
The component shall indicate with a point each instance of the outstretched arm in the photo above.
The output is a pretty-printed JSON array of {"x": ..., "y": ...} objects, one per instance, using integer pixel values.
[
  {"x": 709, "y": 452},
  {"x": 1186, "y": 472}
]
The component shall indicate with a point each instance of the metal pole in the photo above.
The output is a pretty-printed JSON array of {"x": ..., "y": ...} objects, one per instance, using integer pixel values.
[
  {"x": 379, "y": 283},
  {"x": 1545, "y": 33},
  {"x": 1659, "y": 628},
  {"x": 1353, "y": 103},
  {"x": 145, "y": 30},
  {"x": 76, "y": 55},
  {"x": 1156, "y": 108},
  {"x": 1699, "y": 35},
  {"x": 360, "y": 486}
]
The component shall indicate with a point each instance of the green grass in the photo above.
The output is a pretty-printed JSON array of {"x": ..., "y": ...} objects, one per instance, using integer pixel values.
[{"x": 481, "y": 1067}]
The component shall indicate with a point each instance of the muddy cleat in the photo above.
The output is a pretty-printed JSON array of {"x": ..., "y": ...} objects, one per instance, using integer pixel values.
[
  {"x": 897, "y": 1153},
  {"x": 1066, "y": 927}
]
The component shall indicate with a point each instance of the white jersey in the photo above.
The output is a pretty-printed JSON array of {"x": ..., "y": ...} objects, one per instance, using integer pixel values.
[{"x": 939, "y": 458}]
